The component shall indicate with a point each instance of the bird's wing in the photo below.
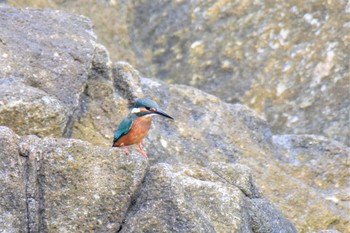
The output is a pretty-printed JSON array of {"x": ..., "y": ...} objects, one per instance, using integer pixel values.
[{"x": 124, "y": 127}]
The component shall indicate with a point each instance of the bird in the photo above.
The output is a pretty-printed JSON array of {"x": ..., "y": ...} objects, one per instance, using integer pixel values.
[{"x": 135, "y": 126}]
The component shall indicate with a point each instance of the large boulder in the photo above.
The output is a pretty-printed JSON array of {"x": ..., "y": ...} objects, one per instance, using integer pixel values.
[
  {"x": 200, "y": 135},
  {"x": 210, "y": 136},
  {"x": 286, "y": 60},
  {"x": 109, "y": 18},
  {"x": 196, "y": 199},
  {"x": 207, "y": 130},
  {"x": 44, "y": 50},
  {"x": 64, "y": 185}
]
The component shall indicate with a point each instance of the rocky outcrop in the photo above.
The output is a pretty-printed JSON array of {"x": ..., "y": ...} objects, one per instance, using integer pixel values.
[
  {"x": 68, "y": 185},
  {"x": 288, "y": 61},
  {"x": 51, "y": 54},
  {"x": 208, "y": 130},
  {"x": 283, "y": 59},
  {"x": 196, "y": 199},
  {"x": 209, "y": 158},
  {"x": 64, "y": 185},
  {"x": 109, "y": 18},
  {"x": 29, "y": 110}
]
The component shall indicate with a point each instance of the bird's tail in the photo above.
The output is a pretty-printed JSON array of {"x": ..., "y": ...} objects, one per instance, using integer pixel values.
[{"x": 114, "y": 141}]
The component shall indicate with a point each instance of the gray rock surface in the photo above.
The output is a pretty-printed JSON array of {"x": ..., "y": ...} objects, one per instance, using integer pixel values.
[
  {"x": 64, "y": 185},
  {"x": 201, "y": 135},
  {"x": 322, "y": 163},
  {"x": 109, "y": 18},
  {"x": 196, "y": 199},
  {"x": 286, "y": 60},
  {"x": 28, "y": 110},
  {"x": 216, "y": 141},
  {"x": 54, "y": 48},
  {"x": 13, "y": 209}
]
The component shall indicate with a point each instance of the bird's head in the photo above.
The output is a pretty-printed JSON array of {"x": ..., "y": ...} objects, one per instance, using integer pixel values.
[{"x": 147, "y": 107}]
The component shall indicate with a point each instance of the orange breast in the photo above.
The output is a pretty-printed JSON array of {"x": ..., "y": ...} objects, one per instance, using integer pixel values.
[{"x": 138, "y": 131}]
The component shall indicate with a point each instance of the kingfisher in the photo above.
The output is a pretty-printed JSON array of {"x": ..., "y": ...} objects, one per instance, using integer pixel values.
[{"x": 133, "y": 128}]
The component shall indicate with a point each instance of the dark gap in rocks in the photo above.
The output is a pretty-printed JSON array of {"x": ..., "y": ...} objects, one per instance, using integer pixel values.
[
  {"x": 133, "y": 199},
  {"x": 81, "y": 108},
  {"x": 78, "y": 111},
  {"x": 26, "y": 181}
]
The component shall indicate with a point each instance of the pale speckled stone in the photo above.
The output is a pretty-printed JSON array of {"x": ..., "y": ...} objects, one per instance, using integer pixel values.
[
  {"x": 195, "y": 199},
  {"x": 73, "y": 186},
  {"x": 206, "y": 132},
  {"x": 13, "y": 209},
  {"x": 28, "y": 110}
]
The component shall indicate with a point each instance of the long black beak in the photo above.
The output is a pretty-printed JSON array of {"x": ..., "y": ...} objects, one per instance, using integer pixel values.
[{"x": 160, "y": 112}]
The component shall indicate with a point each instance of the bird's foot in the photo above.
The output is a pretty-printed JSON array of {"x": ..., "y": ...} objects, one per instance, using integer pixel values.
[
  {"x": 126, "y": 149},
  {"x": 142, "y": 151}
]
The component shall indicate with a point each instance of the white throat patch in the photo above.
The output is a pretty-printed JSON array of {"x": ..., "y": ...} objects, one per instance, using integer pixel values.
[{"x": 135, "y": 110}]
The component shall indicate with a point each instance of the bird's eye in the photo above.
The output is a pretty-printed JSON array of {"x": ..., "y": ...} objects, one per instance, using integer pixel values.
[{"x": 148, "y": 108}]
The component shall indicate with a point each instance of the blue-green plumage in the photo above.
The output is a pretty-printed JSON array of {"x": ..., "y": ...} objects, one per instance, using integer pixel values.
[
  {"x": 124, "y": 126},
  {"x": 143, "y": 102}
]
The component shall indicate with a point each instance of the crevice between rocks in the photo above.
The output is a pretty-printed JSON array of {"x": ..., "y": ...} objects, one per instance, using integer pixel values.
[
  {"x": 82, "y": 100},
  {"x": 254, "y": 192},
  {"x": 26, "y": 181},
  {"x": 34, "y": 192},
  {"x": 133, "y": 199},
  {"x": 77, "y": 112}
]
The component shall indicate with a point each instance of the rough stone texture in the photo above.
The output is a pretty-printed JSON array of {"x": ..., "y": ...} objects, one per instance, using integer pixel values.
[
  {"x": 208, "y": 135},
  {"x": 91, "y": 183},
  {"x": 197, "y": 136},
  {"x": 69, "y": 185},
  {"x": 325, "y": 231},
  {"x": 13, "y": 210},
  {"x": 195, "y": 199},
  {"x": 109, "y": 18},
  {"x": 51, "y": 52},
  {"x": 54, "y": 48},
  {"x": 101, "y": 106},
  {"x": 321, "y": 163},
  {"x": 287, "y": 60},
  {"x": 28, "y": 110}
]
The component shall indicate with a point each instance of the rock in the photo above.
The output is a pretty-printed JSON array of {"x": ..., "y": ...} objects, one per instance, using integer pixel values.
[
  {"x": 325, "y": 231},
  {"x": 208, "y": 137},
  {"x": 36, "y": 97},
  {"x": 195, "y": 199},
  {"x": 93, "y": 185},
  {"x": 126, "y": 81},
  {"x": 102, "y": 107},
  {"x": 64, "y": 184},
  {"x": 28, "y": 110},
  {"x": 199, "y": 135},
  {"x": 45, "y": 63},
  {"x": 13, "y": 210},
  {"x": 109, "y": 18},
  {"x": 281, "y": 59},
  {"x": 321, "y": 163},
  {"x": 324, "y": 165}
]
